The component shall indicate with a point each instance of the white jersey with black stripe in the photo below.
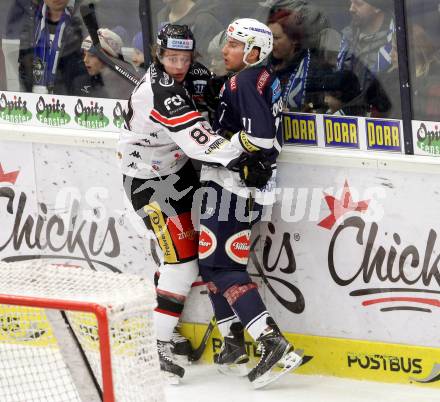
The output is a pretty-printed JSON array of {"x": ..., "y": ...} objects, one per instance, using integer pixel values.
[{"x": 163, "y": 129}]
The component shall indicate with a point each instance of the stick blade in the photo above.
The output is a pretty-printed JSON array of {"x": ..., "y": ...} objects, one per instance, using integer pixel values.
[{"x": 198, "y": 352}]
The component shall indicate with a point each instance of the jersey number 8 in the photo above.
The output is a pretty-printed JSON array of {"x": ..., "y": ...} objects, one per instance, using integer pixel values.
[{"x": 199, "y": 136}]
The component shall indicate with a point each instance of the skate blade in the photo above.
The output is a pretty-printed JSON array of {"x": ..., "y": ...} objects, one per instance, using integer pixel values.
[
  {"x": 233, "y": 370},
  {"x": 289, "y": 362},
  {"x": 182, "y": 360},
  {"x": 170, "y": 379}
]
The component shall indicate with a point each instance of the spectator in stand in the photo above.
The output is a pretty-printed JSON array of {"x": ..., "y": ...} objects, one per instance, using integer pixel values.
[
  {"x": 18, "y": 13},
  {"x": 318, "y": 32},
  {"x": 383, "y": 94},
  {"x": 263, "y": 9},
  {"x": 138, "y": 57},
  {"x": 198, "y": 16},
  {"x": 103, "y": 82},
  {"x": 425, "y": 75},
  {"x": 50, "y": 48},
  {"x": 340, "y": 88},
  {"x": 297, "y": 65},
  {"x": 122, "y": 33},
  {"x": 367, "y": 43}
]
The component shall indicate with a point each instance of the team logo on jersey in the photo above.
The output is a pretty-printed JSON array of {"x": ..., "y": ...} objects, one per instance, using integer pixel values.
[
  {"x": 238, "y": 246},
  {"x": 207, "y": 242},
  {"x": 173, "y": 102},
  {"x": 166, "y": 80}
]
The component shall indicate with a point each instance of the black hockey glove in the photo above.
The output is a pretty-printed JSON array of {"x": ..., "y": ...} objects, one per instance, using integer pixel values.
[{"x": 254, "y": 170}]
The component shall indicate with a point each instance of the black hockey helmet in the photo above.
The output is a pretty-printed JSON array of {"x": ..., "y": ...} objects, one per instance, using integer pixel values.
[{"x": 176, "y": 37}]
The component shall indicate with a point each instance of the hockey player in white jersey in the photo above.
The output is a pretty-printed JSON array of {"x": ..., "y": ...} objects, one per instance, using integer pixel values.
[
  {"x": 163, "y": 129},
  {"x": 249, "y": 111}
]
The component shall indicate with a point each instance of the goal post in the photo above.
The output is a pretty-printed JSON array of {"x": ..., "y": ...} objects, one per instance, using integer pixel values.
[{"x": 111, "y": 318}]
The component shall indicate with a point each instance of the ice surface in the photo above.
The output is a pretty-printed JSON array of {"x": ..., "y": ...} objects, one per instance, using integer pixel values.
[{"x": 202, "y": 383}]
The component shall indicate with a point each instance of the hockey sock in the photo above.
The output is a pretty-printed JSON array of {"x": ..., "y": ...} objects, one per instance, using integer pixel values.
[
  {"x": 167, "y": 313},
  {"x": 224, "y": 314},
  {"x": 174, "y": 285},
  {"x": 224, "y": 326},
  {"x": 249, "y": 307},
  {"x": 258, "y": 325},
  {"x": 165, "y": 325}
]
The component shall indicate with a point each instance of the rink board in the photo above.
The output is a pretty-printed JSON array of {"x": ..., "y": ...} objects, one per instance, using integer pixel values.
[
  {"x": 347, "y": 358},
  {"x": 65, "y": 203}
]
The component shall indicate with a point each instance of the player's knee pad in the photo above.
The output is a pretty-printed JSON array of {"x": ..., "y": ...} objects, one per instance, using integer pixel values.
[
  {"x": 174, "y": 285},
  {"x": 176, "y": 279}
]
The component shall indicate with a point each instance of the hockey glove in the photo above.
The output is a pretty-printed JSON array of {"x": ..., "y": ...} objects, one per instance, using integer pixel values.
[{"x": 254, "y": 170}]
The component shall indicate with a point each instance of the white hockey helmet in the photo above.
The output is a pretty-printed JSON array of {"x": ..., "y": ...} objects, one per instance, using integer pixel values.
[{"x": 252, "y": 33}]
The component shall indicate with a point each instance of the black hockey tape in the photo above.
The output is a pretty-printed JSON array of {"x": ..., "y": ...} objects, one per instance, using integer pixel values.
[{"x": 88, "y": 15}]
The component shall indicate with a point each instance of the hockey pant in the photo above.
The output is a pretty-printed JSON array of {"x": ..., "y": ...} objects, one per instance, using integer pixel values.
[
  {"x": 170, "y": 221},
  {"x": 226, "y": 221}
]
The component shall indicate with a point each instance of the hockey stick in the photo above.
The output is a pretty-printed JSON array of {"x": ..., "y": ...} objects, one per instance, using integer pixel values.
[
  {"x": 197, "y": 353},
  {"x": 74, "y": 356},
  {"x": 88, "y": 15}
]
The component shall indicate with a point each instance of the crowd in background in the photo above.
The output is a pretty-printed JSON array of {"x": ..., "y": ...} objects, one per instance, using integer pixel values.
[{"x": 338, "y": 58}]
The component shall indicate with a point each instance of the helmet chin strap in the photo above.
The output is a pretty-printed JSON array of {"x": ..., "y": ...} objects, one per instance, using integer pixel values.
[{"x": 245, "y": 55}]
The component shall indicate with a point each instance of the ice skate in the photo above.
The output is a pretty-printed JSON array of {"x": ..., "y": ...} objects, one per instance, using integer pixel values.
[
  {"x": 232, "y": 358},
  {"x": 179, "y": 344},
  {"x": 172, "y": 371},
  {"x": 276, "y": 351},
  {"x": 180, "y": 348}
]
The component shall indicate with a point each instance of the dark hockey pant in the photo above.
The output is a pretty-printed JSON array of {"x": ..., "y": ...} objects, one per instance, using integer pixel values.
[{"x": 224, "y": 245}]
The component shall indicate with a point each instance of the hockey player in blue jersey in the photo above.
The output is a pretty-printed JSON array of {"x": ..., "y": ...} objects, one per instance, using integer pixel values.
[{"x": 249, "y": 114}]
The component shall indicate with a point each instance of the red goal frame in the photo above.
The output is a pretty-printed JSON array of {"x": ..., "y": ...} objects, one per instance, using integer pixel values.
[{"x": 103, "y": 329}]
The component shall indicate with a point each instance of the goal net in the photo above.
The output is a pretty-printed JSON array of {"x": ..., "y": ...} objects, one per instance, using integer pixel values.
[{"x": 73, "y": 334}]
